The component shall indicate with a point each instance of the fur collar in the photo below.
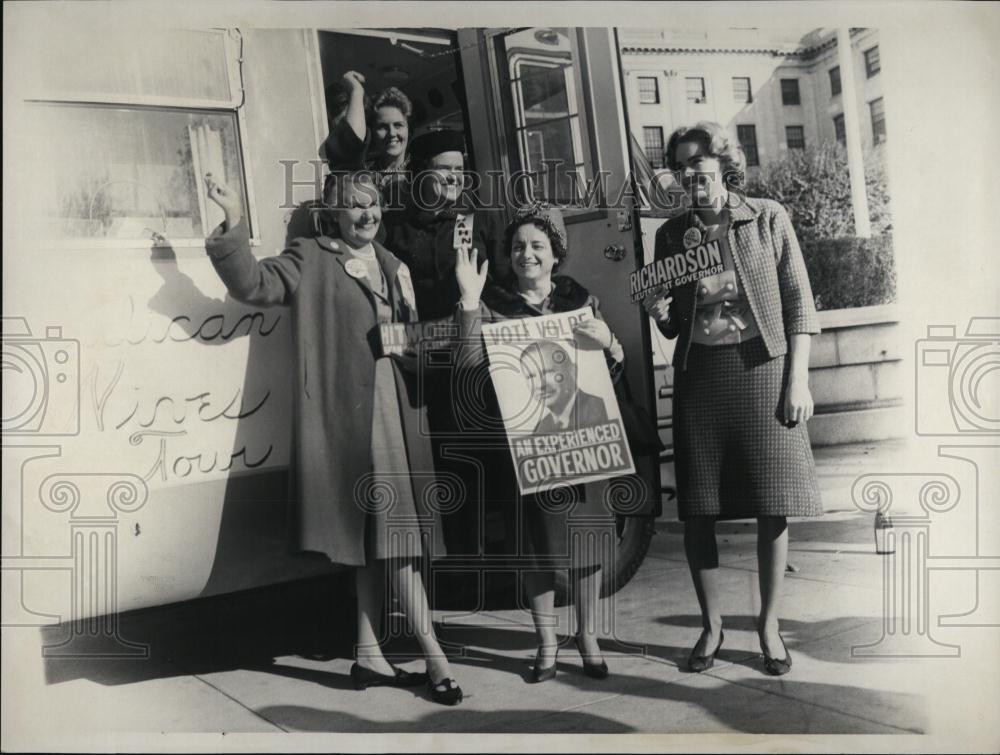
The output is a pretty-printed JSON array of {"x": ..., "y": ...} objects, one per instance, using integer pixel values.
[{"x": 566, "y": 295}]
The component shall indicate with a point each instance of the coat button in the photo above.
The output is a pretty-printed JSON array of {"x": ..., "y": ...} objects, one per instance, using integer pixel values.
[
  {"x": 732, "y": 327},
  {"x": 730, "y": 286},
  {"x": 708, "y": 331}
]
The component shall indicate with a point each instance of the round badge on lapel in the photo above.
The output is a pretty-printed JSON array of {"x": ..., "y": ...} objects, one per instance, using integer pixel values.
[
  {"x": 692, "y": 237},
  {"x": 356, "y": 268}
]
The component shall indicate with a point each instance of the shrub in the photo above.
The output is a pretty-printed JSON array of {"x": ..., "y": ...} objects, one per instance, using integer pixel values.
[
  {"x": 814, "y": 186},
  {"x": 850, "y": 272}
]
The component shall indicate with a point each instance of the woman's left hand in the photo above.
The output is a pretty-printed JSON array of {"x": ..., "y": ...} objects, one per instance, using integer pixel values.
[
  {"x": 798, "y": 402},
  {"x": 596, "y": 331}
]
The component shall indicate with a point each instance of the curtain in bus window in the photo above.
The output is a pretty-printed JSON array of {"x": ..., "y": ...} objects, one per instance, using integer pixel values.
[{"x": 130, "y": 173}]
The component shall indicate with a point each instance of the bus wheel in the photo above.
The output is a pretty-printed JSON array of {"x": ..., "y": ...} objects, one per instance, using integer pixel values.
[{"x": 633, "y": 536}]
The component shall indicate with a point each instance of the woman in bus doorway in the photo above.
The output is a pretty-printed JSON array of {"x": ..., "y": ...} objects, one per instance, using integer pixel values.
[
  {"x": 741, "y": 393},
  {"x": 358, "y": 456}
]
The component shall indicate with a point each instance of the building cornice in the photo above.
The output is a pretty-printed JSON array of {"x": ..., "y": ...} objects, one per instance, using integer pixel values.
[{"x": 799, "y": 53}]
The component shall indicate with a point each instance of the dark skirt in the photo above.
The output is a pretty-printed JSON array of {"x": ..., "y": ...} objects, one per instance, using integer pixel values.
[
  {"x": 734, "y": 457},
  {"x": 569, "y": 527}
]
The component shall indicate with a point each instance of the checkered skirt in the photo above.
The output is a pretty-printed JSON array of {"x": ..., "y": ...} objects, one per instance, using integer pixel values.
[{"x": 734, "y": 457}]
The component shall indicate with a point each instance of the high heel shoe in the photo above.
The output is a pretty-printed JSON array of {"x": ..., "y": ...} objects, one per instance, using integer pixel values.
[
  {"x": 593, "y": 670},
  {"x": 450, "y": 695},
  {"x": 364, "y": 678},
  {"x": 777, "y": 666},
  {"x": 699, "y": 663},
  {"x": 539, "y": 674}
]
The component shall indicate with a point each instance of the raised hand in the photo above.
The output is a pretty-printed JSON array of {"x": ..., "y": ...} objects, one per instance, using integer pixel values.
[
  {"x": 228, "y": 199},
  {"x": 354, "y": 80},
  {"x": 471, "y": 276}
]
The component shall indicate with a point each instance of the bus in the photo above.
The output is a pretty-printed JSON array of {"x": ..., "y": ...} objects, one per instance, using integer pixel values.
[{"x": 146, "y": 420}]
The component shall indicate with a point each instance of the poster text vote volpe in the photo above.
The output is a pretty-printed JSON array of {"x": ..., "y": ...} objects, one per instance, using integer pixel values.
[{"x": 557, "y": 402}]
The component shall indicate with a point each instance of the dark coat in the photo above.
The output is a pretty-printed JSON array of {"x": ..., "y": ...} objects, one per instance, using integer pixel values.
[
  {"x": 425, "y": 243},
  {"x": 336, "y": 343},
  {"x": 539, "y": 530}
]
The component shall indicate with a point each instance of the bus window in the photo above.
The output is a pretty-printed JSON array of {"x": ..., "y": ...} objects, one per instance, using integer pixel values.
[
  {"x": 548, "y": 136},
  {"x": 124, "y": 135}
]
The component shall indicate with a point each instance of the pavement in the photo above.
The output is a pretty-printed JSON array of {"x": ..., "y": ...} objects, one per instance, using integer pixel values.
[{"x": 233, "y": 667}]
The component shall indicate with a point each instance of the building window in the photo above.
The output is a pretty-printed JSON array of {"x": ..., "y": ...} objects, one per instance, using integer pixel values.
[
  {"x": 795, "y": 137},
  {"x": 696, "y": 90},
  {"x": 747, "y": 137},
  {"x": 878, "y": 120},
  {"x": 790, "y": 92},
  {"x": 838, "y": 128},
  {"x": 652, "y": 145},
  {"x": 872, "y": 63},
  {"x": 126, "y": 154},
  {"x": 741, "y": 89},
  {"x": 835, "y": 81},
  {"x": 649, "y": 90}
]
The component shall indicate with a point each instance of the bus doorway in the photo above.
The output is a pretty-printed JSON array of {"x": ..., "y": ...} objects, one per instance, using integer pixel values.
[{"x": 422, "y": 63}]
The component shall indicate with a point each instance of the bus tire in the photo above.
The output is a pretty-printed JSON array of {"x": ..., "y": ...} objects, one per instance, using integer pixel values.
[{"x": 635, "y": 533}]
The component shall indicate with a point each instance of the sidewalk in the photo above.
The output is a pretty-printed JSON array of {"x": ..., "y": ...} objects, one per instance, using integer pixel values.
[{"x": 280, "y": 670}]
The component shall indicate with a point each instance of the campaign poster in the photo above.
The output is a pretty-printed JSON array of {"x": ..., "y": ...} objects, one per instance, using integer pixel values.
[
  {"x": 700, "y": 259},
  {"x": 557, "y": 402}
]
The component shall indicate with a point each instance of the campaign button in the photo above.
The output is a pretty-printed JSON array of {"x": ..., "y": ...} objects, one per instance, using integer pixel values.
[
  {"x": 692, "y": 237},
  {"x": 356, "y": 269}
]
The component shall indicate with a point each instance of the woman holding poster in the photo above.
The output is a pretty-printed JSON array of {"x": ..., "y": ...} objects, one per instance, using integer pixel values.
[
  {"x": 535, "y": 243},
  {"x": 356, "y": 446},
  {"x": 741, "y": 393}
]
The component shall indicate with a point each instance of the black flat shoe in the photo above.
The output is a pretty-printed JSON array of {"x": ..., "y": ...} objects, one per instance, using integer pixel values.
[
  {"x": 593, "y": 670},
  {"x": 776, "y": 666},
  {"x": 364, "y": 678},
  {"x": 539, "y": 674},
  {"x": 450, "y": 695},
  {"x": 699, "y": 663}
]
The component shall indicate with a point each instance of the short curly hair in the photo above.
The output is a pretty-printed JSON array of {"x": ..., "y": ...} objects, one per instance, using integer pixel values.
[
  {"x": 393, "y": 97},
  {"x": 718, "y": 143},
  {"x": 337, "y": 183},
  {"x": 559, "y": 250}
]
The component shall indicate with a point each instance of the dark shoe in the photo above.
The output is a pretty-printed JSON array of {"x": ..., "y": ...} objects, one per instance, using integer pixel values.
[
  {"x": 539, "y": 674},
  {"x": 364, "y": 678},
  {"x": 450, "y": 695},
  {"x": 699, "y": 663},
  {"x": 593, "y": 670},
  {"x": 776, "y": 666}
]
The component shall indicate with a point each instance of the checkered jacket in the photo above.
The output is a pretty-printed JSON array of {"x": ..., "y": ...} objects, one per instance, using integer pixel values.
[{"x": 769, "y": 268}]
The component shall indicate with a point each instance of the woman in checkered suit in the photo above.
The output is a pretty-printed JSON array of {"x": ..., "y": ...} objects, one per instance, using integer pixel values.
[{"x": 741, "y": 394}]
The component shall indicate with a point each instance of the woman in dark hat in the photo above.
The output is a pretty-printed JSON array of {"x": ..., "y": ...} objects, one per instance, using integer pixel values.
[
  {"x": 741, "y": 393},
  {"x": 535, "y": 243},
  {"x": 356, "y": 422},
  {"x": 438, "y": 215},
  {"x": 424, "y": 234}
]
